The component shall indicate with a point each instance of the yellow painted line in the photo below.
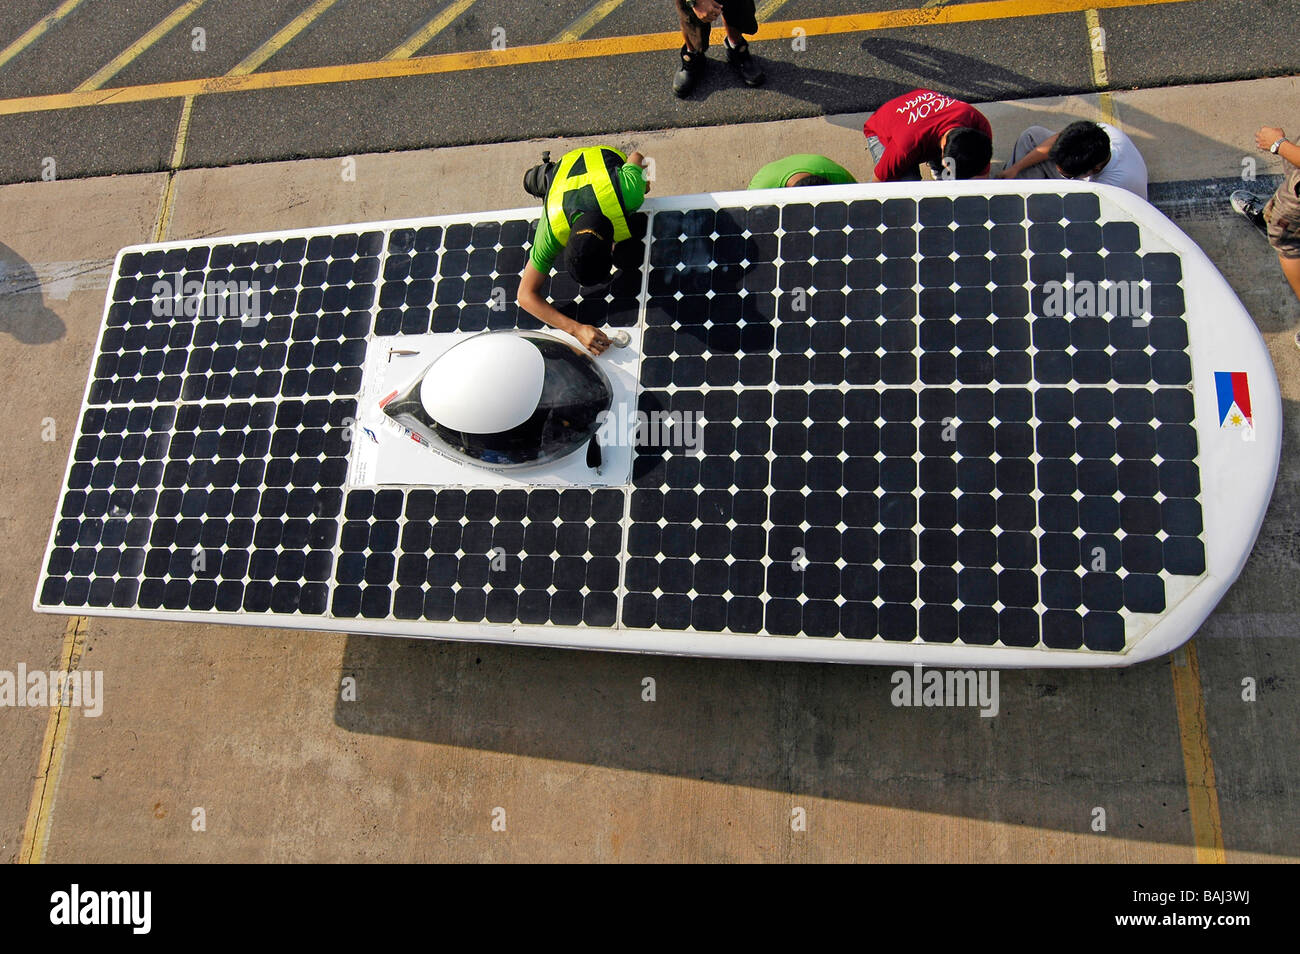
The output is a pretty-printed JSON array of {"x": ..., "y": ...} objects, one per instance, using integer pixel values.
[
  {"x": 282, "y": 38},
  {"x": 37, "y": 30},
  {"x": 36, "y": 833},
  {"x": 1202, "y": 795},
  {"x": 182, "y": 132},
  {"x": 420, "y": 37},
  {"x": 1100, "y": 75},
  {"x": 766, "y": 9},
  {"x": 582, "y": 26},
  {"x": 554, "y": 53},
  {"x": 1097, "y": 46},
  {"x": 127, "y": 56},
  {"x": 163, "y": 225}
]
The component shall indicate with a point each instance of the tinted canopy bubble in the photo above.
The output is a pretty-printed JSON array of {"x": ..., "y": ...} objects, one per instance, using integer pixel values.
[{"x": 506, "y": 399}]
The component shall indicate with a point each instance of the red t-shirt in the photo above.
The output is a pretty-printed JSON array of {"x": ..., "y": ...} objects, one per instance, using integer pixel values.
[{"x": 911, "y": 126}]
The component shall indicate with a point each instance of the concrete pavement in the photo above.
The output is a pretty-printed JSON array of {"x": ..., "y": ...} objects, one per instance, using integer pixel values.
[{"x": 443, "y": 739}]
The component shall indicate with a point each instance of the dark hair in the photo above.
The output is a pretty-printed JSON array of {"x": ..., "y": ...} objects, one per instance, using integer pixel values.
[
  {"x": 970, "y": 151},
  {"x": 1080, "y": 148},
  {"x": 809, "y": 180},
  {"x": 590, "y": 254}
]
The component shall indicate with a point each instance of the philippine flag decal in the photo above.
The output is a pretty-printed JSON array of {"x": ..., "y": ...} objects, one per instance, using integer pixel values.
[{"x": 1233, "y": 389}]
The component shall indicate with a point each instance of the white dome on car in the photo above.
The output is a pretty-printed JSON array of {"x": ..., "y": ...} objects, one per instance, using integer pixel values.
[{"x": 484, "y": 385}]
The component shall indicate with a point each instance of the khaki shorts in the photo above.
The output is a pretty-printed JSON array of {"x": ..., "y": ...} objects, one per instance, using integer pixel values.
[
  {"x": 1282, "y": 216},
  {"x": 738, "y": 13}
]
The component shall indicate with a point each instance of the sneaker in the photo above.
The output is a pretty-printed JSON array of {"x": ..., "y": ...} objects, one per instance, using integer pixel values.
[
  {"x": 742, "y": 62},
  {"x": 693, "y": 66},
  {"x": 1250, "y": 207}
]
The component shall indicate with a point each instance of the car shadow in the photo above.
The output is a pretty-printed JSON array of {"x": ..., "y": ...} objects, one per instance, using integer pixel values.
[{"x": 1062, "y": 744}]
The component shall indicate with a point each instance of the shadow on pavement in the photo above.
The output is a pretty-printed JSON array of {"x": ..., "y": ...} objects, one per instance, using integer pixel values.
[
  {"x": 22, "y": 303},
  {"x": 1062, "y": 743}
]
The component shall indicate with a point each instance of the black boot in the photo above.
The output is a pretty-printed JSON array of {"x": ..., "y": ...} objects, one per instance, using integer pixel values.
[
  {"x": 693, "y": 66},
  {"x": 744, "y": 64}
]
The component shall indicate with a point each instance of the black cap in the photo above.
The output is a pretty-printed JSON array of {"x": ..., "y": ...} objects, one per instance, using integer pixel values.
[{"x": 590, "y": 254}]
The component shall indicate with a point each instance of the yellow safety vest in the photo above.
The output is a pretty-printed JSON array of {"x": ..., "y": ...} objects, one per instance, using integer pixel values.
[{"x": 594, "y": 176}]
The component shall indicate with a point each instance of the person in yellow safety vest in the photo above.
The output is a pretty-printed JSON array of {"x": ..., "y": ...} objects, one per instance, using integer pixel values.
[{"x": 585, "y": 215}]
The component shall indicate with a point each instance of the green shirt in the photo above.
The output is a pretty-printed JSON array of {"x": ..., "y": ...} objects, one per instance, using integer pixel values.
[
  {"x": 631, "y": 187},
  {"x": 775, "y": 175}
]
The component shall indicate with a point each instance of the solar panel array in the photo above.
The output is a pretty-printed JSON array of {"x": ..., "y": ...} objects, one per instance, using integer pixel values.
[{"x": 898, "y": 442}]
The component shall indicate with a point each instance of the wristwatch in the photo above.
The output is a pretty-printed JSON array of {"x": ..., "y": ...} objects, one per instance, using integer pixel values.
[{"x": 1277, "y": 145}]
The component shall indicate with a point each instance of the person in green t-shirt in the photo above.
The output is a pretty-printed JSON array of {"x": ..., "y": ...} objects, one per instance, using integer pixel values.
[
  {"x": 801, "y": 170},
  {"x": 584, "y": 215}
]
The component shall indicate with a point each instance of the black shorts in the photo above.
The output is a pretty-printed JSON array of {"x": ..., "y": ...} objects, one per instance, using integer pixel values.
[{"x": 739, "y": 13}]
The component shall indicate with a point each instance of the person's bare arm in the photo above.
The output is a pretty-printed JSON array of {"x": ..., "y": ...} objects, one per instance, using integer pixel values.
[
  {"x": 1268, "y": 135},
  {"x": 1035, "y": 156},
  {"x": 531, "y": 300}
]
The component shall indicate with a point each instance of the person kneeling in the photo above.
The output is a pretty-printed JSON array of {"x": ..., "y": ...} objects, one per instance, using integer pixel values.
[
  {"x": 952, "y": 137},
  {"x": 1094, "y": 152},
  {"x": 585, "y": 215},
  {"x": 801, "y": 170}
]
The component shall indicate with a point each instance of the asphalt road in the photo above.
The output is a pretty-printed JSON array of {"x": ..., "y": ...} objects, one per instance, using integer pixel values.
[{"x": 998, "y": 58}]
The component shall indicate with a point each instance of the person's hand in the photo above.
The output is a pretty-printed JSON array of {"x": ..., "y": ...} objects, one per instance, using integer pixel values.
[
  {"x": 1007, "y": 173},
  {"x": 593, "y": 339},
  {"x": 707, "y": 10},
  {"x": 637, "y": 159},
  {"x": 1268, "y": 135}
]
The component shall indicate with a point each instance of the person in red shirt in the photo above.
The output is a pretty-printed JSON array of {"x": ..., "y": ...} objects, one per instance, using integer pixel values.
[{"x": 924, "y": 126}]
